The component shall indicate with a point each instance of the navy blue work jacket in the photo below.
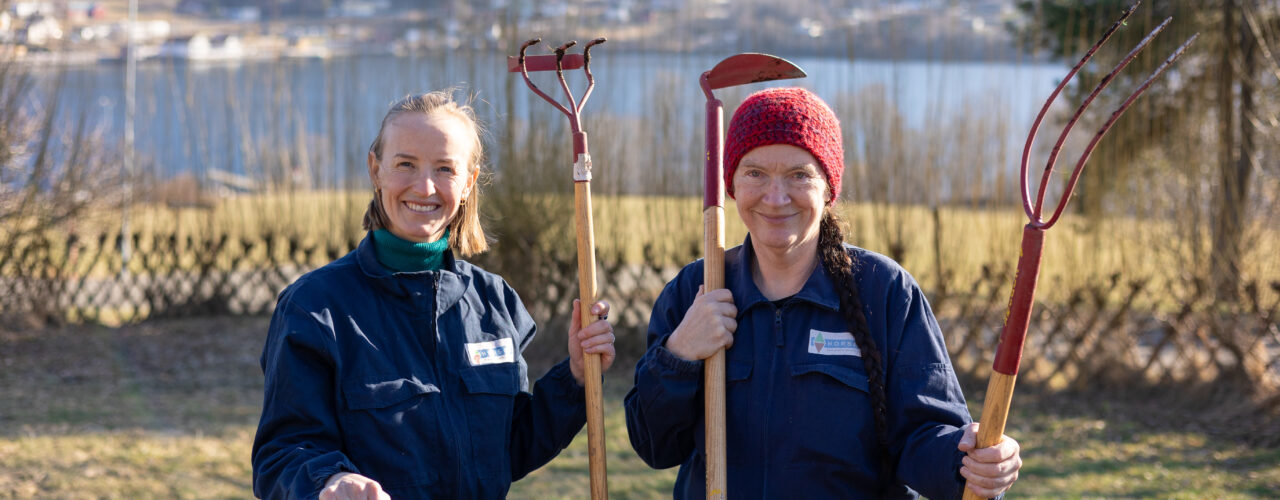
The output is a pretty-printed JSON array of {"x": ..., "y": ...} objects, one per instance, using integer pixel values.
[
  {"x": 413, "y": 379},
  {"x": 799, "y": 414}
]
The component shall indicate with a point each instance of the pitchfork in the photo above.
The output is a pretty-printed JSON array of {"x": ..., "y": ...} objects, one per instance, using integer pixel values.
[
  {"x": 995, "y": 410},
  {"x": 559, "y": 62}
]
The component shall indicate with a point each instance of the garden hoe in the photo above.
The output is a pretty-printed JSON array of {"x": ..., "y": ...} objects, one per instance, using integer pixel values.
[
  {"x": 739, "y": 69},
  {"x": 995, "y": 410},
  {"x": 559, "y": 62}
]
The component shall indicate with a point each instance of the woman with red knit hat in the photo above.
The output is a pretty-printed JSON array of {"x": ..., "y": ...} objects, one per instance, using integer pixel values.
[{"x": 838, "y": 382}]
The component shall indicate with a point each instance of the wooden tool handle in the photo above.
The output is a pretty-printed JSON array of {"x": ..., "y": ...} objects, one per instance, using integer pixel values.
[
  {"x": 1004, "y": 371},
  {"x": 591, "y": 361},
  {"x": 713, "y": 367},
  {"x": 995, "y": 413}
]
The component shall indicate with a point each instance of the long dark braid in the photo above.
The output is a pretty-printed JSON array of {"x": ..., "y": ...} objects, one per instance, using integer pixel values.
[{"x": 840, "y": 266}]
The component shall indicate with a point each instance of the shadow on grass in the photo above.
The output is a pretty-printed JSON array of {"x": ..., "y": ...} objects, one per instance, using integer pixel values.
[{"x": 197, "y": 375}]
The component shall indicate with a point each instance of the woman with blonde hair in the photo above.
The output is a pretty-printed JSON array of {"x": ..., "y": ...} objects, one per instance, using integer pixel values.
[{"x": 396, "y": 370}]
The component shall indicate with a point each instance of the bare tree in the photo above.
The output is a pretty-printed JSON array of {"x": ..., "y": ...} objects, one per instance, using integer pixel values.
[{"x": 53, "y": 170}]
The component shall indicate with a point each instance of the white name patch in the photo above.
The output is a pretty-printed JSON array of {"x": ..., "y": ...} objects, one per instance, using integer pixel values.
[
  {"x": 833, "y": 344},
  {"x": 492, "y": 352}
]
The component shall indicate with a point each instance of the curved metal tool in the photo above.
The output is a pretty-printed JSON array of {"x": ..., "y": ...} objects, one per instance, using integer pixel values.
[
  {"x": 750, "y": 67},
  {"x": 560, "y": 61},
  {"x": 995, "y": 410},
  {"x": 739, "y": 69}
]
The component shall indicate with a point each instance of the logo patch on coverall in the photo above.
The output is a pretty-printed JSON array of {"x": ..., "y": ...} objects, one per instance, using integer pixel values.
[
  {"x": 492, "y": 352},
  {"x": 833, "y": 343}
]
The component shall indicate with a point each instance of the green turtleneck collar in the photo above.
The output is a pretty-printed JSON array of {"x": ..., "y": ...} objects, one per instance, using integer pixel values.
[{"x": 402, "y": 255}]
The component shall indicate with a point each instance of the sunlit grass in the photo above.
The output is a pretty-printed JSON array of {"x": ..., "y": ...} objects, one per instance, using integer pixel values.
[
  {"x": 1073, "y": 457},
  {"x": 168, "y": 409},
  {"x": 127, "y": 463}
]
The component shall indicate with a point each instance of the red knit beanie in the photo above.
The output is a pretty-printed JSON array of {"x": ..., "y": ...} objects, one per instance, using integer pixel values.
[{"x": 790, "y": 115}]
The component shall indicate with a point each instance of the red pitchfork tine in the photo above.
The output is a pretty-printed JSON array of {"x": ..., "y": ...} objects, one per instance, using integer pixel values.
[
  {"x": 585, "y": 234},
  {"x": 1035, "y": 213},
  {"x": 1004, "y": 370}
]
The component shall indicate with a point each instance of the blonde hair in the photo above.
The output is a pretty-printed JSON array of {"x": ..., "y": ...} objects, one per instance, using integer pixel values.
[{"x": 466, "y": 236}]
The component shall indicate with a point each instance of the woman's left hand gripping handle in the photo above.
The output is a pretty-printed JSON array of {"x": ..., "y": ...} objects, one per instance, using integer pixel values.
[{"x": 596, "y": 338}]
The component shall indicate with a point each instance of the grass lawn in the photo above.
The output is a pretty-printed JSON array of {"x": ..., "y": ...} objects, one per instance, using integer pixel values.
[{"x": 167, "y": 409}]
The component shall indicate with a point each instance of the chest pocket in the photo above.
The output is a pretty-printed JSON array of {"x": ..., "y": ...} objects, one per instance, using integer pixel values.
[
  {"x": 490, "y": 392},
  {"x": 843, "y": 375},
  {"x": 391, "y": 429},
  {"x": 385, "y": 393},
  {"x": 833, "y": 402}
]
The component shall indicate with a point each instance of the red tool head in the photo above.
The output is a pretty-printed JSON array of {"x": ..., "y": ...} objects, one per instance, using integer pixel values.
[
  {"x": 1034, "y": 210},
  {"x": 741, "y": 69},
  {"x": 560, "y": 61},
  {"x": 738, "y": 69}
]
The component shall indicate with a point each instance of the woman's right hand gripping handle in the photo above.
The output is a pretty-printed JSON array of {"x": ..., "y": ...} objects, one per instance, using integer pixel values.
[
  {"x": 349, "y": 486},
  {"x": 707, "y": 327}
]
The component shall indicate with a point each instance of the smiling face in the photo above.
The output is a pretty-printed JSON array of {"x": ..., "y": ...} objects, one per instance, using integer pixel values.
[
  {"x": 780, "y": 190},
  {"x": 424, "y": 173}
]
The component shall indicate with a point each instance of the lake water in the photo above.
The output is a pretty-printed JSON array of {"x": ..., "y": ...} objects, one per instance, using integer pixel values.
[{"x": 235, "y": 117}]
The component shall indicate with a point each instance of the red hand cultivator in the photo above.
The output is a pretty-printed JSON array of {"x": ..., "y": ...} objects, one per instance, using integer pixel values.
[{"x": 560, "y": 61}]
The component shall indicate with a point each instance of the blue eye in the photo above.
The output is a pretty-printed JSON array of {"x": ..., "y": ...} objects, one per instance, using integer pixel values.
[{"x": 805, "y": 174}]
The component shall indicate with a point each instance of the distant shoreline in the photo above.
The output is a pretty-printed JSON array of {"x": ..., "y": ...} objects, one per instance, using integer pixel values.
[{"x": 114, "y": 57}]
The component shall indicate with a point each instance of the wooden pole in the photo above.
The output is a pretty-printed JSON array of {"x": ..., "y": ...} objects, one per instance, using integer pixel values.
[
  {"x": 713, "y": 279},
  {"x": 591, "y": 362},
  {"x": 713, "y": 383},
  {"x": 995, "y": 413}
]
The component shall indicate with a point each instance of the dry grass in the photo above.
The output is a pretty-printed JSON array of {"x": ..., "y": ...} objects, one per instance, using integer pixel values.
[
  {"x": 666, "y": 231},
  {"x": 167, "y": 409},
  {"x": 157, "y": 410}
]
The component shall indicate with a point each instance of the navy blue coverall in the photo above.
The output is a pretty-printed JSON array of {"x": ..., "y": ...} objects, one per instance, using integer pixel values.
[
  {"x": 413, "y": 379},
  {"x": 799, "y": 414}
]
